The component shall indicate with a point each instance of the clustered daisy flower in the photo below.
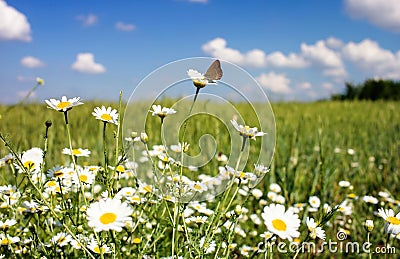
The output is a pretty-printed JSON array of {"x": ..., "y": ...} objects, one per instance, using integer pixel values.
[
  {"x": 283, "y": 223},
  {"x": 108, "y": 115},
  {"x": 108, "y": 214},
  {"x": 392, "y": 225},
  {"x": 161, "y": 112},
  {"x": 76, "y": 152},
  {"x": 64, "y": 104},
  {"x": 246, "y": 131}
]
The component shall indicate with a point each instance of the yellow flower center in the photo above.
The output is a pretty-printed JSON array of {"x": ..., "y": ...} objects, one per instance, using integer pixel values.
[
  {"x": 393, "y": 220},
  {"x": 63, "y": 105},
  {"x": 279, "y": 224},
  {"x": 62, "y": 239},
  {"x": 197, "y": 187},
  {"x": 76, "y": 152},
  {"x": 136, "y": 240},
  {"x": 97, "y": 250},
  {"x": 136, "y": 198},
  {"x": 51, "y": 184},
  {"x": 106, "y": 117},
  {"x": 108, "y": 218},
  {"x": 147, "y": 188},
  {"x": 6, "y": 241},
  {"x": 58, "y": 174},
  {"x": 120, "y": 169},
  {"x": 199, "y": 83},
  {"x": 29, "y": 165},
  {"x": 83, "y": 178}
]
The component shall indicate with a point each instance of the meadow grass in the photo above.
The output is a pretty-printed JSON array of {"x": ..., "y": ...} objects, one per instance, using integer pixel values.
[{"x": 317, "y": 145}]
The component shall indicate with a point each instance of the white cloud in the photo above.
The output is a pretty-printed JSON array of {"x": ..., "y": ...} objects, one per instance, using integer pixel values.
[
  {"x": 218, "y": 48},
  {"x": 31, "y": 62},
  {"x": 382, "y": 13},
  {"x": 327, "y": 86},
  {"x": 369, "y": 56},
  {"x": 277, "y": 83},
  {"x": 320, "y": 54},
  {"x": 85, "y": 64},
  {"x": 124, "y": 26},
  {"x": 305, "y": 85},
  {"x": 334, "y": 43},
  {"x": 13, "y": 24},
  {"x": 278, "y": 59},
  {"x": 88, "y": 20}
]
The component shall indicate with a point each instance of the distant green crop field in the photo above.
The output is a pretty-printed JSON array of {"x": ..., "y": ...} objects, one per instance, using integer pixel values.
[{"x": 317, "y": 145}]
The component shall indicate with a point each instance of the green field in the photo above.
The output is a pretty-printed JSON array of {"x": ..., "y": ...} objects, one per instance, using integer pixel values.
[{"x": 317, "y": 145}]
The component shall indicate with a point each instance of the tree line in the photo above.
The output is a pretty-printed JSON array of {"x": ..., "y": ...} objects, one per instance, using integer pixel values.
[{"x": 370, "y": 89}]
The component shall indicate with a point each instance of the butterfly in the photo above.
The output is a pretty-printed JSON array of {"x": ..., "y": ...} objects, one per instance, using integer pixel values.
[{"x": 213, "y": 73}]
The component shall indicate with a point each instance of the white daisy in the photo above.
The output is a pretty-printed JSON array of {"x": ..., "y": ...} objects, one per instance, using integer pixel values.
[
  {"x": 392, "y": 225},
  {"x": 76, "y": 152},
  {"x": 6, "y": 160},
  {"x": 84, "y": 176},
  {"x": 61, "y": 239},
  {"x": 161, "y": 112},
  {"x": 284, "y": 224},
  {"x": 7, "y": 223},
  {"x": 344, "y": 184},
  {"x": 39, "y": 81},
  {"x": 64, "y": 104},
  {"x": 315, "y": 231},
  {"x": 314, "y": 201},
  {"x": 275, "y": 188},
  {"x": 370, "y": 199},
  {"x": 108, "y": 214},
  {"x": 106, "y": 115},
  {"x": 178, "y": 148},
  {"x": 93, "y": 245},
  {"x": 32, "y": 159},
  {"x": 246, "y": 131}
]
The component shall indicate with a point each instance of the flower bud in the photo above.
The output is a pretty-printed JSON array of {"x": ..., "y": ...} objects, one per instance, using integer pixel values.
[
  {"x": 143, "y": 137},
  {"x": 369, "y": 225}
]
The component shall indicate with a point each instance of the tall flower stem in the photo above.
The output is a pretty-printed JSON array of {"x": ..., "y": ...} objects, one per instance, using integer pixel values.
[{"x": 176, "y": 205}]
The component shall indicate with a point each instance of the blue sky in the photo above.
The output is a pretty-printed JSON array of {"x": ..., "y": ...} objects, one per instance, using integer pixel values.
[{"x": 296, "y": 50}]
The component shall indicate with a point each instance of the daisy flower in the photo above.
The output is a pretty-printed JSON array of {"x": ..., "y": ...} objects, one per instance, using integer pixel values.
[
  {"x": 275, "y": 188},
  {"x": 161, "y": 112},
  {"x": 84, "y": 176},
  {"x": 64, "y": 104},
  {"x": 392, "y": 225},
  {"x": 76, "y": 152},
  {"x": 213, "y": 73},
  {"x": 61, "y": 239},
  {"x": 178, "y": 148},
  {"x": 344, "y": 184},
  {"x": 32, "y": 159},
  {"x": 106, "y": 115},
  {"x": 94, "y": 246},
  {"x": 314, "y": 201},
  {"x": 39, "y": 81},
  {"x": 108, "y": 214},
  {"x": 370, "y": 199},
  {"x": 6, "y": 160},
  {"x": 246, "y": 131},
  {"x": 284, "y": 224},
  {"x": 7, "y": 223},
  {"x": 369, "y": 225},
  {"x": 315, "y": 231}
]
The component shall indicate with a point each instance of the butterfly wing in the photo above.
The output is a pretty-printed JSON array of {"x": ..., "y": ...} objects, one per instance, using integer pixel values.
[{"x": 214, "y": 72}]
